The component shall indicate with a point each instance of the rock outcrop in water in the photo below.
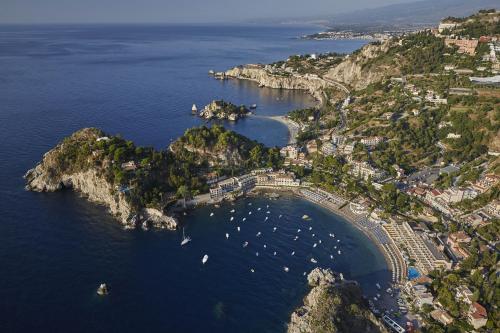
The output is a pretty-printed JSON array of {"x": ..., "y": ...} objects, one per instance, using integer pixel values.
[
  {"x": 80, "y": 163},
  {"x": 333, "y": 305}
]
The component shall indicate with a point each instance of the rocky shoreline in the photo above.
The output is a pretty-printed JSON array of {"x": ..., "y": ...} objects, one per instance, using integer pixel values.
[
  {"x": 47, "y": 176},
  {"x": 333, "y": 305}
]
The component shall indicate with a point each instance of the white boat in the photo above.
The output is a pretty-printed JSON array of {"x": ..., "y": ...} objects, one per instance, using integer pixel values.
[
  {"x": 335, "y": 247},
  {"x": 310, "y": 228},
  {"x": 338, "y": 240},
  {"x": 274, "y": 253},
  {"x": 227, "y": 235},
  {"x": 378, "y": 295},
  {"x": 258, "y": 234},
  {"x": 298, "y": 230},
  {"x": 331, "y": 256},
  {"x": 378, "y": 286},
  {"x": 389, "y": 290},
  {"x": 314, "y": 245},
  {"x": 232, "y": 210},
  {"x": 144, "y": 226},
  {"x": 238, "y": 228},
  {"x": 194, "y": 109},
  {"x": 244, "y": 219},
  {"x": 102, "y": 290},
  {"x": 375, "y": 299},
  {"x": 274, "y": 229},
  {"x": 305, "y": 217},
  {"x": 256, "y": 254},
  {"x": 185, "y": 239},
  {"x": 250, "y": 213},
  {"x": 252, "y": 270},
  {"x": 265, "y": 246},
  {"x": 286, "y": 269},
  {"x": 212, "y": 214},
  {"x": 268, "y": 212},
  {"x": 267, "y": 206},
  {"x": 266, "y": 219},
  {"x": 249, "y": 203},
  {"x": 204, "y": 259},
  {"x": 319, "y": 241},
  {"x": 296, "y": 237},
  {"x": 314, "y": 235},
  {"x": 245, "y": 244},
  {"x": 280, "y": 216},
  {"x": 304, "y": 273},
  {"x": 253, "y": 106},
  {"x": 293, "y": 253},
  {"x": 258, "y": 208},
  {"x": 232, "y": 218},
  {"x": 339, "y": 252},
  {"x": 314, "y": 261}
]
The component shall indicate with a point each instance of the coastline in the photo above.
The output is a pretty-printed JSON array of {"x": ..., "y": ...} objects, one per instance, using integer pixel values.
[{"x": 292, "y": 126}]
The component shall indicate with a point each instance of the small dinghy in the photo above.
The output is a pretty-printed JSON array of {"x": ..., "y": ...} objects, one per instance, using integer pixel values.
[
  {"x": 267, "y": 206},
  {"x": 296, "y": 237},
  {"x": 232, "y": 210},
  {"x": 298, "y": 230},
  {"x": 244, "y": 219},
  {"x": 245, "y": 244},
  {"x": 286, "y": 269},
  {"x": 212, "y": 214},
  {"x": 256, "y": 254},
  {"x": 227, "y": 235},
  {"x": 314, "y": 261},
  {"x": 319, "y": 241},
  {"x": 102, "y": 290},
  {"x": 314, "y": 245},
  {"x": 232, "y": 218},
  {"x": 339, "y": 252},
  {"x": 266, "y": 219},
  {"x": 280, "y": 216},
  {"x": 204, "y": 259},
  {"x": 314, "y": 235},
  {"x": 293, "y": 253},
  {"x": 258, "y": 208},
  {"x": 331, "y": 256},
  {"x": 274, "y": 253},
  {"x": 258, "y": 234},
  {"x": 274, "y": 229},
  {"x": 265, "y": 246},
  {"x": 252, "y": 270},
  {"x": 250, "y": 213},
  {"x": 238, "y": 228}
]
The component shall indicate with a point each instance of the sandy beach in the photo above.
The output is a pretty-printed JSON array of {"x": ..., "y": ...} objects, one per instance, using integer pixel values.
[{"x": 293, "y": 127}]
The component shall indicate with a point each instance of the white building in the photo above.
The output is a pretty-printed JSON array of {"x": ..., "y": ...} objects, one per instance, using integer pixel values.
[
  {"x": 328, "y": 148},
  {"x": 372, "y": 141},
  {"x": 289, "y": 151}
]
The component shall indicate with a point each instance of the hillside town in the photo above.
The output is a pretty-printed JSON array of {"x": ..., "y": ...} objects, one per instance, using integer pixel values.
[{"x": 393, "y": 162}]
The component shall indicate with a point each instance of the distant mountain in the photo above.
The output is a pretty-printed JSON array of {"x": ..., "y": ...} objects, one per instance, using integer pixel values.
[{"x": 413, "y": 13}]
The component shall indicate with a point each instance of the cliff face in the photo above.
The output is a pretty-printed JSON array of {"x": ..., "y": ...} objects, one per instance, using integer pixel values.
[
  {"x": 256, "y": 73},
  {"x": 333, "y": 305},
  {"x": 359, "y": 69},
  {"x": 54, "y": 173}
]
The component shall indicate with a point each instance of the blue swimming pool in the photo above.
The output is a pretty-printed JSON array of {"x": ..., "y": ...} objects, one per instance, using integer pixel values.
[{"x": 413, "y": 273}]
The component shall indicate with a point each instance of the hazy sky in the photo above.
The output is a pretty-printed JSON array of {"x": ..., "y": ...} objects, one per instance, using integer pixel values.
[{"x": 63, "y": 11}]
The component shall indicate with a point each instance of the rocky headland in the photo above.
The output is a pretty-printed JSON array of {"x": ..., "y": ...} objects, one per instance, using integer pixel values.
[
  {"x": 80, "y": 163},
  {"x": 333, "y": 305}
]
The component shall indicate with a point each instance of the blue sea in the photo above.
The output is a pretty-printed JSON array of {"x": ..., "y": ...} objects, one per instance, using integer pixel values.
[{"x": 140, "y": 81}]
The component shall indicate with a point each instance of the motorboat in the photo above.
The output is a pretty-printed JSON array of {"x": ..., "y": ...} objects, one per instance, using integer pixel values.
[
  {"x": 212, "y": 214},
  {"x": 245, "y": 244},
  {"x": 314, "y": 261},
  {"x": 258, "y": 234},
  {"x": 305, "y": 217},
  {"x": 274, "y": 229},
  {"x": 314, "y": 245},
  {"x": 204, "y": 259},
  {"x": 227, "y": 235},
  {"x": 286, "y": 269}
]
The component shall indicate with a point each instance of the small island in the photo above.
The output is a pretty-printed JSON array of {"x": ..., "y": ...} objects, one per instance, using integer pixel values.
[{"x": 220, "y": 109}]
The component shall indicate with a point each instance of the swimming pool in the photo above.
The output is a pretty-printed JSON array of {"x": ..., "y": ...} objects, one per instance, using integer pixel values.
[{"x": 413, "y": 273}]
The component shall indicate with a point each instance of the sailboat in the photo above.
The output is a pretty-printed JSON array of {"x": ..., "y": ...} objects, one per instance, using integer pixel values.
[
  {"x": 185, "y": 239},
  {"x": 204, "y": 259}
]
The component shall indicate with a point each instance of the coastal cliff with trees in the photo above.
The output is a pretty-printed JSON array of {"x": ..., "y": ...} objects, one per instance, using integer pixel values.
[{"x": 138, "y": 184}]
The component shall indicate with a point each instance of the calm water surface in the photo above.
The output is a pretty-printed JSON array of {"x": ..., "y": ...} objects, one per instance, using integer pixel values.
[{"x": 141, "y": 81}]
